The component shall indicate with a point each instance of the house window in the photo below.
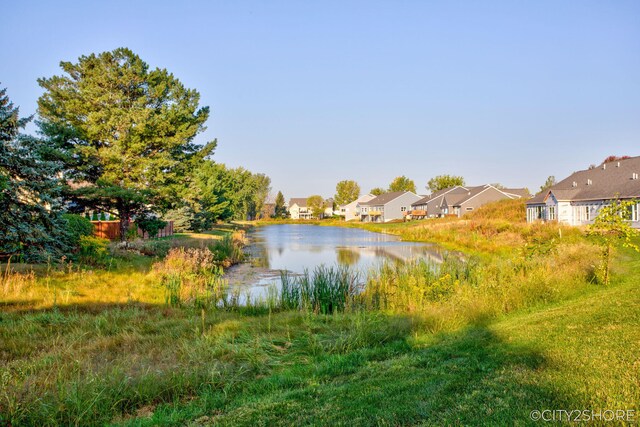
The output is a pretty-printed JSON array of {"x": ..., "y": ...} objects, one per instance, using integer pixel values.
[
  {"x": 403, "y": 209},
  {"x": 587, "y": 213},
  {"x": 469, "y": 209},
  {"x": 552, "y": 213},
  {"x": 634, "y": 212}
]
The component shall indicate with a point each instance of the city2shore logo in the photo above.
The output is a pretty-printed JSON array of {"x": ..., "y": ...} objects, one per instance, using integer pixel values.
[{"x": 584, "y": 415}]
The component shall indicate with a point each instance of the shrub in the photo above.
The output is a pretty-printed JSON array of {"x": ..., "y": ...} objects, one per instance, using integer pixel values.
[
  {"x": 77, "y": 227},
  {"x": 150, "y": 225},
  {"x": 93, "y": 250},
  {"x": 157, "y": 248},
  {"x": 228, "y": 251}
]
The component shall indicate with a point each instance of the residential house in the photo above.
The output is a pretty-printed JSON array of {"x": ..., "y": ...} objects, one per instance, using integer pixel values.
[
  {"x": 298, "y": 208},
  {"x": 577, "y": 199},
  {"x": 328, "y": 210},
  {"x": 351, "y": 211},
  {"x": 460, "y": 200},
  {"x": 430, "y": 206},
  {"x": 388, "y": 207}
]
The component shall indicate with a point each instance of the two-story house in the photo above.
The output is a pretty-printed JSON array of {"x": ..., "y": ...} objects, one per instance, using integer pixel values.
[{"x": 388, "y": 207}]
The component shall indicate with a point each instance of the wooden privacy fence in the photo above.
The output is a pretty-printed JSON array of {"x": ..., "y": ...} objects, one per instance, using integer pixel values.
[{"x": 111, "y": 230}]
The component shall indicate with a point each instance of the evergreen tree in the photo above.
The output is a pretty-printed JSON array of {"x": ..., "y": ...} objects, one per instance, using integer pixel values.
[
  {"x": 30, "y": 221},
  {"x": 124, "y": 131},
  {"x": 280, "y": 209},
  {"x": 377, "y": 191}
]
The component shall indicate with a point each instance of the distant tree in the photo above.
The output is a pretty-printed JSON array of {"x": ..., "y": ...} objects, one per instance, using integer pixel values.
[
  {"x": 377, "y": 191},
  {"x": 125, "y": 130},
  {"x": 210, "y": 195},
  {"x": 317, "y": 205},
  {"x": 183, "y": 218},
  {"x": 615, "y": 159},
  {"x": 402, "y": 183},
  {"x": 30, "y": 222},
  {"x": 261, "y": 184},
  {"x": 612, "y": 226},
  {"x": 280, "y": 210},
  {"x": 498, "y": 186},
  {"x": 346, "y": 192},
  {"x": 441, "y": 182},
  {"x": 550, "y": 182}
]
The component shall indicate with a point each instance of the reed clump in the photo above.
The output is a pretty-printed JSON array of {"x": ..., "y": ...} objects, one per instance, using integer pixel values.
[
  {"x": 325, "y": 290},
  {"x": 190, "y": 275}
]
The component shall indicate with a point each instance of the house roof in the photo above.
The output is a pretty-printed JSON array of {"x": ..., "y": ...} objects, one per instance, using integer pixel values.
[
  {"x": 360, "y": 200},
  {"x": 300, "y": 201},
  {"x": 604, "y": 182},
  {"x": 385, "y": 198},
  {"x": 519, "y": 192},
  {"x": 437, "y": 194}
]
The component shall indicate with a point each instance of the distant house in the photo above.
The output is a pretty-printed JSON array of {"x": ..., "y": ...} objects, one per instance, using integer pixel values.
[
  {"x": 298, "y": 208},
  {"x": 460, "y": 200},
  {"x": 577, "y": 199},
  {"x": 387, "y": 207},
  {"x": 328, "y": 210},
  {"x": 351, "y": 211},
  {"x": 430, "y": 206}
]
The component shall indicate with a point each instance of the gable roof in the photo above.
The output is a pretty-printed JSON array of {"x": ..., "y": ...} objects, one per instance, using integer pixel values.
[
  {"x": 300, "y": 201},
  {"x": 439, "y": 193},
  {"x": 360, "y": 200},
  {"x": 519, "y": 192},
  {"x": 603, "y": 182},
  {"x": 385, "y": 198}
]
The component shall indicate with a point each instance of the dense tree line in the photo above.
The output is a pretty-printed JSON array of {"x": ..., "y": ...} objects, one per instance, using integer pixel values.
[{"x": 115, "y": 136}]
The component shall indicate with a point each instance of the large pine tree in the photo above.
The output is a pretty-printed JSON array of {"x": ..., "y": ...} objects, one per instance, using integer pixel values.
[
  {"x": 30, "y": 222},
  {"x": 127, "y": 132}
]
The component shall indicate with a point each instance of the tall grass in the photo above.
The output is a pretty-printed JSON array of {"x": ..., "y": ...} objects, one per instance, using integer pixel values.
[
  {"x": 459, "y": 291},
  {"x": 326, "y": 290},
  {"x": 191, "y": 276},
  {"x": 228, "y": 251}
]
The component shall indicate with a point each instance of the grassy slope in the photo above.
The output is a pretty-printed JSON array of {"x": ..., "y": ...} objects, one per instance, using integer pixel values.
[{"x": 574, "y": 355}]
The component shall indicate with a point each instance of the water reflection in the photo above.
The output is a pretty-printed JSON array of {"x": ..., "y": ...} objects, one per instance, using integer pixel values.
[
  {"x": 347, "y": 256},
  {"x": 296, "y": 247}
]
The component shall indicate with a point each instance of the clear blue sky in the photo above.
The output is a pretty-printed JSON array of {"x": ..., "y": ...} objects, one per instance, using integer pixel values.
[{"x": 314, "y": 92}]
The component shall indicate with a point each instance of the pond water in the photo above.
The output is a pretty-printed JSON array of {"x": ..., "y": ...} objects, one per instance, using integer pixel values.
[{"x": 296, "y": 247}]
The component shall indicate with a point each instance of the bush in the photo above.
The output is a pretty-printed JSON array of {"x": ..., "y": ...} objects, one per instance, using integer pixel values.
[
  {"x": 93, "y": 250},
  {"x": 157, "y": 248},
  {"x": 77, "y": 227},
  {"x": 150, "y": 225}
]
